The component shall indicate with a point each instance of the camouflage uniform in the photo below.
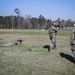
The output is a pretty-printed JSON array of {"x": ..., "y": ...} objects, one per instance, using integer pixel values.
[
  {"x": 52, "y": 34},
  {"x": 72, "y": 42},
  {"x": 15, "y": 42}
]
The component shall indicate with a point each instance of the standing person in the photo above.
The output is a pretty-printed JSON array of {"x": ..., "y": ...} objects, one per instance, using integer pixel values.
[
  {"x": 52, "y": 31},
  {"x": 72, "y": 42}
]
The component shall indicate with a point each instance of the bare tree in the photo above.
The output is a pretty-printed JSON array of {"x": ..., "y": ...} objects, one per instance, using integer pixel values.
[
  {"x": 18, "y": 12},
  {"x": 12, "y": 19},
  {"x": 28, "y": 21}
]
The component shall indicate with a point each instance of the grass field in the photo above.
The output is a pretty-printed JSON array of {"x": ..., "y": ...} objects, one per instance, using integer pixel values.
[{"x": 32, "y": 57}]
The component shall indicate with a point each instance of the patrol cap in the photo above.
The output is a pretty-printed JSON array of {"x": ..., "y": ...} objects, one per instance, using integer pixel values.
[{"x": 54, "y": 23}]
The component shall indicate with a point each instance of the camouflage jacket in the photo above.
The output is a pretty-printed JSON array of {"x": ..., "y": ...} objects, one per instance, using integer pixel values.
[
  {"x": 52, "y": 30},
  {"x": 72, "y": 38}
]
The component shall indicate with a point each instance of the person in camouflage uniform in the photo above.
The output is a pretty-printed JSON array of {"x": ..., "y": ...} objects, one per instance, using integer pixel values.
[
  {"x": 12, "y": 43},
  {"x": 52, "y": 31},
  {"x": 72, "y": 42}
]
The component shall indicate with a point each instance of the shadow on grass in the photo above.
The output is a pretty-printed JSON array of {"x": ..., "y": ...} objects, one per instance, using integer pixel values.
[
  {"x": 47, "y": 47},
  {"x": 68, "y": 57}
]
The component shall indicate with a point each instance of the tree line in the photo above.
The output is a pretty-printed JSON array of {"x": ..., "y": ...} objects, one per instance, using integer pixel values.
[{"x": 29, "y": 22}]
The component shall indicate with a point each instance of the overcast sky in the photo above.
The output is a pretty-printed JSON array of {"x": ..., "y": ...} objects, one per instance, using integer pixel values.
[{"x": 64, "y": 9}]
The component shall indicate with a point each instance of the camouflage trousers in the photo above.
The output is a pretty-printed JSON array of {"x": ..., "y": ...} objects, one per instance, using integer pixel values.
[
  {"x": 53, "y": 41},
  {"x": 6, "y": 45},
  {"x": 73, "y": 50}
]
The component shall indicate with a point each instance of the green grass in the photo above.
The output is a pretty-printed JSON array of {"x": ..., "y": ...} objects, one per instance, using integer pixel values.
[
  {"x": 31, "y": 58},
  {"x": 30, "y": 32},
  {"x": 64, "y": 32},
  {"x": 34, "y": 32}
]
